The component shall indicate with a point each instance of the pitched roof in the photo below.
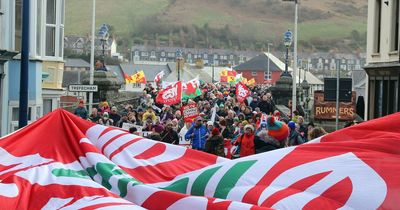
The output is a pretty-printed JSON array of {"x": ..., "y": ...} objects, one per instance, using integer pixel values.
[
  {"x": 260, "y": 63},
  {"x": 76, "y": 62}
]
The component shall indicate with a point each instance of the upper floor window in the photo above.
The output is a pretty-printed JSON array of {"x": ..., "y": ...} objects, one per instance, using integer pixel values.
[
  {"x": 267, "y": 76},
  {"x": 253, "y": 73},
  {"x": 163, "y": 54},
  {"x": 153, "y": 54},
  {"x": 18, "y": 25},
  {"x": 231, "y": 57},
  {"x": 215, "y": 56},
  {"x": 205, "y": 55},
  {"x": 395, "y": 26},
  {"x": 136, "y": 53},
  {"x": 377, "y": 26},
  {"x": 145, "y": 54},
  {"x": 54, "y": 31}
]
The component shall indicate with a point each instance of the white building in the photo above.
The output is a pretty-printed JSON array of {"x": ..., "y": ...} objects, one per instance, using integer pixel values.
[
  {"x": 383, "y": 67},
  {"x": 46, "y": 59}
]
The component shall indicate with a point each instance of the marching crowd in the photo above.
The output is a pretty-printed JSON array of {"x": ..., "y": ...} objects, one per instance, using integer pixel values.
[{"x": 253, "y": 126}]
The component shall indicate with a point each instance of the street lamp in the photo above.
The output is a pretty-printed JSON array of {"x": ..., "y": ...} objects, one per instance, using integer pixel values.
[
  {"x": 178, "y": 60},
  {"x": 287, "y": 42},
  {"x": 294, "y": 53},
  {"x": 104, "y": 35}
]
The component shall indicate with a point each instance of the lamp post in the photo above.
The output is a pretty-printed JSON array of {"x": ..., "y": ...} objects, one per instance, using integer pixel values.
[
  {"x": 91, "y": 76},
  {"x": 287, "y": 42},
  {"x": 104, "y": 35},
  {"x": 178, "y": 60},
  {"x": 268, "y": 70},
  {"x": 294, "y": 54}
]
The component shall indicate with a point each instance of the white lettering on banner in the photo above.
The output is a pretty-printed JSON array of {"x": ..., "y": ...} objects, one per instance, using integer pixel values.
[
  {"x": 242, "y": 91},
  {"x": 170, "y": 93},
  {"x": 368, "y": 189}
]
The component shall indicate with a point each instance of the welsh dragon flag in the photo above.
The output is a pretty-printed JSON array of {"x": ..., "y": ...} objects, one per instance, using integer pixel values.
[
  {"x": 191, "y": 89},
  {"x": 63, "y": 162}
]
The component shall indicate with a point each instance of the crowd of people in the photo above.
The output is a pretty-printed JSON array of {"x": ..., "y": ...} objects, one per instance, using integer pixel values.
[{"x": 251, "y": 127}]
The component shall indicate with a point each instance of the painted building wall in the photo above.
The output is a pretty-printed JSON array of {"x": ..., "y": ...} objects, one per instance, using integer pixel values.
[
  {"x": 34, "y": 84},
  {"x": 259, "y": 77},
  {"x": 55, "y": 71}
]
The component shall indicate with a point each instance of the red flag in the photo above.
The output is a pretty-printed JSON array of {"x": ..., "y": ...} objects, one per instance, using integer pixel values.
[
  {"x": 242, "y": 92},
  {"x": 171, "y": 95},
  {"x": 158, "y": 77}
]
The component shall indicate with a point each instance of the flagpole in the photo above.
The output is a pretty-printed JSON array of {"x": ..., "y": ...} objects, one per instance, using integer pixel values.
[{"x": 91, "y": 78}]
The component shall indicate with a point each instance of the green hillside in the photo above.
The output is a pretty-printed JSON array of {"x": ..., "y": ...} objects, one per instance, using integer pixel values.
[{"x": 248, "y": 24}]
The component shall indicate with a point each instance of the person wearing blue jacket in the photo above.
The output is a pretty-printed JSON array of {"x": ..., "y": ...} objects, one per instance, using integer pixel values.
[{"x": 198, "y": 134}]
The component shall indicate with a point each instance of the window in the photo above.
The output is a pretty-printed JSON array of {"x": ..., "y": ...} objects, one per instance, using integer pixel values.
[
  {"x": 231, "y": 57},
  {"x": 215, "y": 56},
  {"x": 51, "y": 27},
  {"x": 205, "y": 56},
  {"x": 15, "y": 114},
  {"x": 145, "y": 54},
  {"x": 395, "y": 26},
  {"x": 267, "y": 76},
  {"x": 1, "y": 26},
  {"x": 61, "y": 33},
  {"x": 39, "y": 28},
  {"x": 189, "y": 56},
  {"x": 378, "y": 20},
  {"x": 47, "y": 106},
  {"x": 253, "y": 73},
  {"x": 18, "y": 25},
  {"x": 54, "y": 30},
  {"x": 163, "y": 54},
  {"x": 153, "y": 54},
  {"x": 136, "y": 53}
]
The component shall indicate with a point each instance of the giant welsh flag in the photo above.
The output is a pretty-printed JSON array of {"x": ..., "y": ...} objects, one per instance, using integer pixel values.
[{"x": 63, "y": 162}]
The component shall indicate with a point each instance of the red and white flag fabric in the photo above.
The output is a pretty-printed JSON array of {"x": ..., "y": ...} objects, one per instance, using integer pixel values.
[
  {"x": 242, "y": 92},
  {"x": 170, "y": 95},
  {"x": 64, "y": 162},
  {"x": 158, "y": 77}
]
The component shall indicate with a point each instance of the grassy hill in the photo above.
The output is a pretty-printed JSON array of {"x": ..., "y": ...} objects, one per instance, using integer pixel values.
[{"x": 201, "y": 23}]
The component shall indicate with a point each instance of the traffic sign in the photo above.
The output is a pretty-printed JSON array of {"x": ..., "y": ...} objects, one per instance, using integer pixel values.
[
  {"x": 83, "y": 88},
  {"x": 288, "y": 35}
]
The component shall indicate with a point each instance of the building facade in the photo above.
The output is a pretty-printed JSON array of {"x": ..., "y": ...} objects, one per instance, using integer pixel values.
[
  {"x": 46, "y": 59},
  {"x": 383, "y": 66},
  {"x": 208, "y": 57}
]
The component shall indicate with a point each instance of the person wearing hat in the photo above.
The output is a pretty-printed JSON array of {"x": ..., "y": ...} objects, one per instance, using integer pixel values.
[
  {"x": 215, "y": 143},
  {"x": 149, "y": 114},
  {"x": 169, "y": 135},
  {"x": 114, "y": 115},
  {"x": 81, "y": 110},
  {"x": 294, "y": 136},
  {"x": 249, "y": 142},
  {"x": 105, "y": 120},
  {"x": 197, "y": 134}
]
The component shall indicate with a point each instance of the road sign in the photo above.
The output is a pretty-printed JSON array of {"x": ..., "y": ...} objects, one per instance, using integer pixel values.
[
  {"x": 288, "y": 35},
  {"x": 82, "y": 88}
]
